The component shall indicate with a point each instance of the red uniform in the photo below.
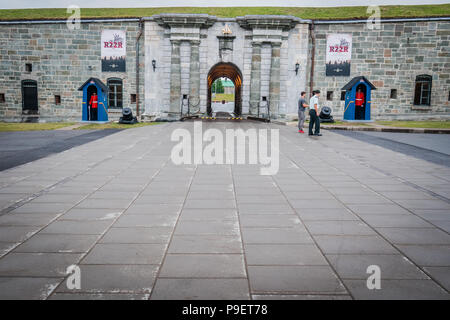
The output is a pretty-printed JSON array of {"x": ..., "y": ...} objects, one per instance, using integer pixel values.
[
  {"x": 93, "y": 102},
  {"x": 359, "y": 99}
]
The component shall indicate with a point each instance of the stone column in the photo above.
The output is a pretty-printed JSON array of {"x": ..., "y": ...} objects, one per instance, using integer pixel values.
[
  {"x": 274, "y": 90},
  {"x": 194, "y": 75},
  {"x": 175, "y": 78},
  {"x": 255, "y": 78}
]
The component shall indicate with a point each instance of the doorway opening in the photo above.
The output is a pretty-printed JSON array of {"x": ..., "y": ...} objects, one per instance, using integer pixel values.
[
  {"x": 220, "y": 73},
  {"x": 222, "y": 96},
  {"x": 29, "y": 97}
]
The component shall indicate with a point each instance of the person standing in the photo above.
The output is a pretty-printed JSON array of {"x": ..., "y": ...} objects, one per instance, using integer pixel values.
[
  {"x": 301, "y": 111},
  {"x": 93, "y": 103},
  {"x": 314, "y": 114},
  {"x": 359, "y": 103}
]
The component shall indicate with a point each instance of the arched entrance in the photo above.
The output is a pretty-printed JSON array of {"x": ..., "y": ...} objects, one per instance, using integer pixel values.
[{"x": 232, "y": 72}]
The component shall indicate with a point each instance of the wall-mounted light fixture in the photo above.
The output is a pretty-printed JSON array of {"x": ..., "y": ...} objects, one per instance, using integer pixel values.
[
  {"x": 297, "y": 66},
  {"x": 154, "y": 64}
]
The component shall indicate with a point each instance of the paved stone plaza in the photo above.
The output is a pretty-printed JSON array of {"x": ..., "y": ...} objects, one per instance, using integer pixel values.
[{"x": 140, "y": 227}]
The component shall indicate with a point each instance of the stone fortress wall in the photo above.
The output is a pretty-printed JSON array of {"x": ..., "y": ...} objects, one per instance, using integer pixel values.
[
  {"x": 391, "y": 57},
  {"x": 263, "y": 49},
  {"x": 62, "y": 60}
]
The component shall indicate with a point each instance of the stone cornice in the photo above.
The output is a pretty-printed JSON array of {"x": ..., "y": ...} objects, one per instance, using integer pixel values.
[
  {"x": 268, "y": 22},
  {"x": 184, "y": 20},
  {"x": 226, "y": 37}
]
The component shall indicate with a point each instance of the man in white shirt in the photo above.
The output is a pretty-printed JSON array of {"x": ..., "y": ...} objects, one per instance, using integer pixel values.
[{"x": 314, "y": 114}]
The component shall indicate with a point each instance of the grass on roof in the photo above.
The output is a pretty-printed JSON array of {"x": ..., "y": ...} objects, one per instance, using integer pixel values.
[{"x": 302, "y": 12}]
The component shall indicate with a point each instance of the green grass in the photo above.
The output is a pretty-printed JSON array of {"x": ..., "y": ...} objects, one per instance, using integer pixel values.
[
  {"x": 416, "y": 124},
  {"x": 114, "y": 125},
  {"x": 33, "y": 126},
  {"x": 344, "y": 123},
  {"x": 223, "y": 96},
  {"x": 305, "y": 13}
]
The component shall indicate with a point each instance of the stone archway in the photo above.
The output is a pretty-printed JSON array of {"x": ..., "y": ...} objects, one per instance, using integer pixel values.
[{"x": 232, "y": 72}]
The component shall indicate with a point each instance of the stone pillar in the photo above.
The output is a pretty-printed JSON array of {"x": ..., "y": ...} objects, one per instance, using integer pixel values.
[
  {"x": 255, "y": 78},
  {"x": 194, "y": 76},
  {"x": 274, "y": 90},
  {"x": 175, "y": 78}
]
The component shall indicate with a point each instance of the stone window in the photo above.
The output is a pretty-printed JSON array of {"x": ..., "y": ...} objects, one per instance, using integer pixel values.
[
  {"x": 115, "y": 96},
  {"x": 133, "y": 98},
  {"x": 28, "y": 67},
  {"x": 422, "y": 92},
  {"x": 57, "y": 99},
  {"x": 2, "y": 98},
  {"x": 342, "y": 95},
  {"x": 329, "y": 95},
  {"x": 393, "y": 93}
]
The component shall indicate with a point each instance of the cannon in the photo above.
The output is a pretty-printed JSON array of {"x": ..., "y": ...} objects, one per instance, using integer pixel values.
[
  {"x": 325, "y": 115},
  {"x": 127, "y": 117}
]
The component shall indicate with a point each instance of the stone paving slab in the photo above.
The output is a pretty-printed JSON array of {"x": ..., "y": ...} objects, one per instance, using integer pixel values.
[
  {"x": 294, "y": 279},
  {"x": 201, "y": 289},
  {"x": 99, "y": 296},
  {"x": 125, "y": 253},
  {"x": 398, "y": 290},
  {"x": 141, "y": 227},
  {"x": 54, "y": 243},
  {"x": 27, "y": 288},
  {"x": 123, "y": 278},
  {"x": 203, "y": 266},
  {"x": 394, "y": 266},
  {"x": 37, "y": 264},
  {"x": 152, "y": 235}
]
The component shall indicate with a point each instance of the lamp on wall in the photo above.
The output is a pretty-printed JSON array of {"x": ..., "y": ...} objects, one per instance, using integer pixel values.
[
  {"x": 297, "y": 66},
  {"x": 154, "y": 64}
]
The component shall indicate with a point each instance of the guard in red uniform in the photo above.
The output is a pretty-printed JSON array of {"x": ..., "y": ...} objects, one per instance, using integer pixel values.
[
  {"x": 359, "y": 103},
  {"x": 93, "y": 104}
]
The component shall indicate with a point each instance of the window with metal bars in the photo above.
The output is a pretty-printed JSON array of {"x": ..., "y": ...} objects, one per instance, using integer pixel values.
[{"x": 115, "y": 95}]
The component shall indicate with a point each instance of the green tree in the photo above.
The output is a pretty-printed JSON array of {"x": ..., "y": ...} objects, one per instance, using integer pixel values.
[{"x": 218, "y": 88}]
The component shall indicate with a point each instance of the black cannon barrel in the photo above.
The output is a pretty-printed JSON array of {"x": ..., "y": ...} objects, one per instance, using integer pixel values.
[
  {"x": 127, "y": 112},
  {"x": 127, "y": 116},
  {"x": 326, "y": 111},
  {"x": 325, "y": 115}
]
